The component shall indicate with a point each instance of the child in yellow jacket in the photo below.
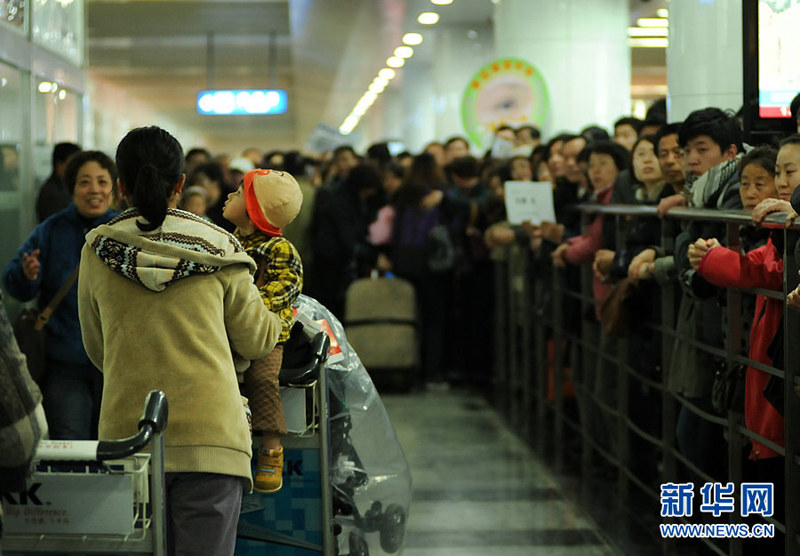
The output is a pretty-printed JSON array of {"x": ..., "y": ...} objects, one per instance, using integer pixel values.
[{"x": 266, "y": 201}]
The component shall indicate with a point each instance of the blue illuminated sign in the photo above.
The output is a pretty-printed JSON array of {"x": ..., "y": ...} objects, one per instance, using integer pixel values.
[{"x": 242, "y": 102}]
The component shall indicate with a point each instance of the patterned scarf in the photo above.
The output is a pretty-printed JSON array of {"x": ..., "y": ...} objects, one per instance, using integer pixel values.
[
  {"x": 708, "y": 190},
  {"x": 182, "y": 246}
]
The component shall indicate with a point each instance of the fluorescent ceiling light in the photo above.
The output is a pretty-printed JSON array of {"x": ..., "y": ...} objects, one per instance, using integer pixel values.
[
  {"x": 382, "y": 81},
  {"x": 395, "y": 62},
  {"x": 428, "y": 18},
  {"x": 662, "y": 12},
  {"x": 648, "y": 43},
  {"x": 412, "y": 39},
  {"x": 404, "y": 52},
  {"x": 441, "y": 2},
  {"x": 377, "y": 88},
  {"x": 647, "y": 32},
  {"x": 652, "y": 22},
  {"x": 370, "y": 97},
  {"x": 387, "y": 73}
]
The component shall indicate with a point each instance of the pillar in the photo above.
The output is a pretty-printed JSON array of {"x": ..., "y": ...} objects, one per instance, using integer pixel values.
[
  {"x": 704, "y": 56},
  {"x": 580, "y": 48}
]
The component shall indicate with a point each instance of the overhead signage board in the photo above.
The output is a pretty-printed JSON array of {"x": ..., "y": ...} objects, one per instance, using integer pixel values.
[{"x": 242, "y": 102}]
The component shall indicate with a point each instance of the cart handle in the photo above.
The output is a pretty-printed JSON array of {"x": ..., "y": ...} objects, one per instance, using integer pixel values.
[
  {"x": 320, "y": 344},
  {"x": 152, "y": 421}
]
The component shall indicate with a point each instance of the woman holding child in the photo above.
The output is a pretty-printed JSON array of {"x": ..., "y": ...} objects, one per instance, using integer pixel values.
[{"x": 164, "y": 298}]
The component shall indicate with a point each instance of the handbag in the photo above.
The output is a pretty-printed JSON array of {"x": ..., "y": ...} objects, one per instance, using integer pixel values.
[
  {"x": 619, "y": 310},
  {"x": 727, "y": 390},
  {"x": 30, "y": 333}
]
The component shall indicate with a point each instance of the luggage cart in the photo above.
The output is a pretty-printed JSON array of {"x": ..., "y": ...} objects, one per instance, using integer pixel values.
[
  {"x": 303, "y": 381},
  {"x": 351, "y": 498},
  {"x": 90, "y": 497}
]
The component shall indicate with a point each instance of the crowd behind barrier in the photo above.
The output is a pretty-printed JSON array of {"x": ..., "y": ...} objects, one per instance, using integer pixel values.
[
  {"x": 542, "y": 361},
  {"x": 522, "y": 310}
]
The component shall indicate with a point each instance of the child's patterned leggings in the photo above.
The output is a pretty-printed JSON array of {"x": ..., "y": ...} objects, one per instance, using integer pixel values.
[{"x": 261, "y": 380}]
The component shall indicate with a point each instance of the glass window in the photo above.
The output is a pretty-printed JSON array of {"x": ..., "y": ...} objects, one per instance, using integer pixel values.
[
  {"x": 58, "y": 25},
  {"x": 58, "y": 118},
  {"x": 11, "y": 137},
  {"x": 12, "y": 12},
  {"x": 11, "y": 125}
]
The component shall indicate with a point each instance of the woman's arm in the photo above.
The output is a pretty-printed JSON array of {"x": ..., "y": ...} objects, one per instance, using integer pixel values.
[{"x": 758, "y": 269}]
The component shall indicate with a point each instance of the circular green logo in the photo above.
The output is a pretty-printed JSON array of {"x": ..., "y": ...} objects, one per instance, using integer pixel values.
[{"x": 508, "y": 91}]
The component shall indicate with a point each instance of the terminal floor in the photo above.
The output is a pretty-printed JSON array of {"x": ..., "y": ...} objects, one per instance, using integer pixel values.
[{"x": 478, "y": 489}]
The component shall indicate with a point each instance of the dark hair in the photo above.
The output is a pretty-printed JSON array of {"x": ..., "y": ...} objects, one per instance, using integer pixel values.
[
  {"x": 794, "y": 107},
  {"x": 594, "y": 133},
  {"x": 504, "y": 127},
  {"x": 538, "y": 155},
  {"x": 380, "y": 153},
  {"x": 657, "y": 111},
  {"x": 266, "y": 160},
  {"x": 198, "y": 150},
  {"x": 562, "y": 137},
  {"x": 75, "y": 163},
  {"x": 361, "y": 178},
  {"x": 396, "y": 169},
  {"x": 635, "y": 123},
  {"x": 211, "y": 170},
  {"x": 655, "y": 120},
  {"x": 342, "y": 149},
  {"x": 668, "y": 129},
  {"x": 722, "y": 128},
  {"x": 454, "y": 139},
  {"x": 150, "y": 163},
  {"x": 535, "y": 133},
  {"x": 423, "y": 176},
  {"x": 63, "y": 151},
  {"x": 650, "y": 138},
  {"x": 616, "y": 151},
  {"x": 465, "y": 167},
  {"x": 764, "y": 156},
  {"x": 295, "y": 163},
  {"x": 793, "y": 139}
]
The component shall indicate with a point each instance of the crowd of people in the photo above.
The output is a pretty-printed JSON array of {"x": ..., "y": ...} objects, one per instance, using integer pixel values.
[{"x": 432, "y": 218}]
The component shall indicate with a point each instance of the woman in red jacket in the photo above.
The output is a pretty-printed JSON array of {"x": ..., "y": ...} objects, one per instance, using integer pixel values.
[{"x": 760, "y": 268}]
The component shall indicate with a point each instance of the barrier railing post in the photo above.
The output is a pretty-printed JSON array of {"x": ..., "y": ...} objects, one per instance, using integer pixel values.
[
  {"x": 539, "y": 321},
  {"x": 501, "y": 348},
  {"x": 558, "y": 361}
]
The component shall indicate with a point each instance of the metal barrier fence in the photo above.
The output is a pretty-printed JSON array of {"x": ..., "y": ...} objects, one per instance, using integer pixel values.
[{"x": 540, "y": 349}]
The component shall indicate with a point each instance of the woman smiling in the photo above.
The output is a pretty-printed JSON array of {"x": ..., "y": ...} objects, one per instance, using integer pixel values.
[{"x": 71, "y": 386}]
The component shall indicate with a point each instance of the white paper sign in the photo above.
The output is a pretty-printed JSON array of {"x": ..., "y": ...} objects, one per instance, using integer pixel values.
[{"x": 529, "y": 201}]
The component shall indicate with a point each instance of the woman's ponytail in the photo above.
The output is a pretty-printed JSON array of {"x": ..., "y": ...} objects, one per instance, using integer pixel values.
[{"x": 148, "y": 197}]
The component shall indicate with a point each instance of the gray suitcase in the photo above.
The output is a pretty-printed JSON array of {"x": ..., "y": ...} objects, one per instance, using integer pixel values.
[{"x": 381, "y": 326}]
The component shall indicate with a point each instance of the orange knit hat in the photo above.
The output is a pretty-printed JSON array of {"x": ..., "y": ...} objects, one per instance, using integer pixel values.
[{"x": 272, "y": 198}]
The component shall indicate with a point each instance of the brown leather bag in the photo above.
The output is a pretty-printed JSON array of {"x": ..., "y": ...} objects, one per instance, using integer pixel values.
[{"x": 619, "y": 310}]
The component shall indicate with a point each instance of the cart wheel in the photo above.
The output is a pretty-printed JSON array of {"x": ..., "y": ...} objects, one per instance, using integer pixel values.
[
  {"x": 393, "y": 528},
  {"x": 358, "y": 546},
  {"x": 373, "y": 518}
]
